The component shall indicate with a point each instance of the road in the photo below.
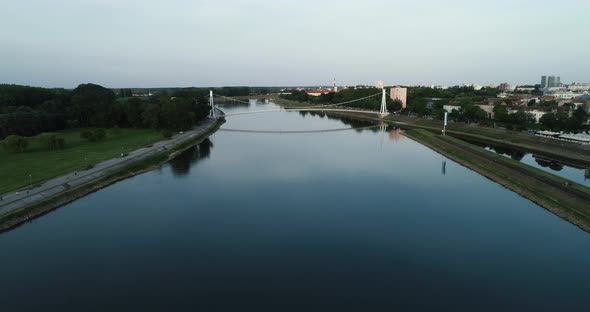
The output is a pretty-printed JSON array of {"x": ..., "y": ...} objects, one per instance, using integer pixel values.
[{"x": 19, "y": 199}]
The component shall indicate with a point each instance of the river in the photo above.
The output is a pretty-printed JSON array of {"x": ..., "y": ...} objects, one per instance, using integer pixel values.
[{"x": 350, "y": 219}]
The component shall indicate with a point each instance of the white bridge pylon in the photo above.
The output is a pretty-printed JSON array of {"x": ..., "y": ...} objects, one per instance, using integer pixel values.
[
  {"x": 383, "y": 110},
  {"x": 326, "y": 107}
]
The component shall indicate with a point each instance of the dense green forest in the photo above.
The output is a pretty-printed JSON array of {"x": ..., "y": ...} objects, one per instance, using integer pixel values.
[{"x": 27, "y": 111}]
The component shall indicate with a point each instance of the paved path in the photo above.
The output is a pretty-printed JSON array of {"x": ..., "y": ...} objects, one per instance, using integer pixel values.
[{"x": 16, "y": 200}]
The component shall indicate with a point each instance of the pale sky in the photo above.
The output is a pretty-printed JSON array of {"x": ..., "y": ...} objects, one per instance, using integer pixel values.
[{"x": 118, "y": 43}]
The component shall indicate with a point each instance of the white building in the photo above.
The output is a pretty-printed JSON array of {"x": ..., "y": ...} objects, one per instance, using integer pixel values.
[
  {"x": 561, "y": 94},
  {"x": 576, "y": 87},
  {"x": 450, "y": 108}
]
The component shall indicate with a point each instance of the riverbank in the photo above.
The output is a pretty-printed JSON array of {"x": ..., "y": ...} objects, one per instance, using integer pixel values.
[
  {"x": 566, "y": 199},
  {"x": 569, "y": 153},
  {"x": 65, "y": 189}
]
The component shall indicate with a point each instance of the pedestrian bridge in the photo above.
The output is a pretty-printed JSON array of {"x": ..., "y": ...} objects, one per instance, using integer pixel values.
[{"x": 335, "y": 107}]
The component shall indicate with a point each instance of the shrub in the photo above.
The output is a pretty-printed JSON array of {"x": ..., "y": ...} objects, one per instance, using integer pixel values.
[
  {"x": 52, "y": 142},
  {"x": 93, "y": 135},
  {"x": 15, "y": 143},
  {"x": 88, "y": 135},
  {"x": 167, "y": 134},
  {"x": 99, "y": 134}
]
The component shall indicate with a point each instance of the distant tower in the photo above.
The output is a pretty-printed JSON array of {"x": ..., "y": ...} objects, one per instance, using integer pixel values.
[{"x": 335, "y": 87}]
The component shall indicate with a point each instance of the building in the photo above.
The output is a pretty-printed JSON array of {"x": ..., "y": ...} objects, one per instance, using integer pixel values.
[
  {"x": 561, "y": 94},
  {"x": 473, "y": 85},
  {"x": 550, "y": 82},
  {"x": 335, "y": 86},
  {"x": 506, "y": 87},
  {"x": 318, "y": 92},
  {"x": 543, "y": 82},
  {"x": 401, "y": 94},
  {"x": 577, "y": 87},
  {"x": 379, "y": 84},
  {"x": 450, "y": 108},
  {"x": 553, "y": 81}
]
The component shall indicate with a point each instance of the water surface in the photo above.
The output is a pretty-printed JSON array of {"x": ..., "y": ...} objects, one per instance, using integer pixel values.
[{"x": 358, "y": 220}]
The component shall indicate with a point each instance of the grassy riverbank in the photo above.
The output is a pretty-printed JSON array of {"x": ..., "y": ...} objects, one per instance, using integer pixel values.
[
  {"x": 43, "y": 164},
  {"x": 571, "y": 153},
  {"x": 569, "y": 200},
  {"x": 16, "y": 218},
  {"x": 556, "y": 149}
]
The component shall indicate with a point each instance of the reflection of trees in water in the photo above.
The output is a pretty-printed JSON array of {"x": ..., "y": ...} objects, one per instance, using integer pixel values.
[
  {"x": 349, "y": 121},
  {"x": 513, "y": 153},
  {"x": 549, "y": 164},
  {"x": 182, "y": 163}
]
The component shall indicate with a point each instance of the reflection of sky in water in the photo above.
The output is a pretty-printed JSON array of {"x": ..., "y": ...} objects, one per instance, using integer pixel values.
[
  {"x": 350, "y": 220},
  {"x": 571, "y": 173}
]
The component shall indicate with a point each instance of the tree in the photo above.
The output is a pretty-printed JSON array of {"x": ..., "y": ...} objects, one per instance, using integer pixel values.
[
  {"x": 396, "y": 105},
  {"x": 474, "y": 113},
  {"x": 167, "y": 134},
  {"x": 419, "y": 106},
  {"x": 99, "y": 134},
  {"x": 52, "y": 142},
  {"x": 93, "y": 135},
  {"x": 579, "y": 117},
  {"x": 133, "y": 109},
  {"x": 500, "y": 113},
  {"x": 15, "y": 143},
  {"x": 88, "y": 135},
  {"x": 548, "y": 121},
  {"x": 521, "y": 120},
  {"x": 92, "y": 105},
  {"x": 151, "y": 116}
]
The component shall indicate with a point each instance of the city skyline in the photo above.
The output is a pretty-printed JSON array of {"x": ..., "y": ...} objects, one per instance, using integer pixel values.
[{"x": 292, "y": 43}]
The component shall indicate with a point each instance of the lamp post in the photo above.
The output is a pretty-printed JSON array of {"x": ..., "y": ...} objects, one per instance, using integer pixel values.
[{"x": 30, "y": 182}]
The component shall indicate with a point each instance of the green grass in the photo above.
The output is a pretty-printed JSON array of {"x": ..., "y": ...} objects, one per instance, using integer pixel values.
[{"x": 44, "y": 165}]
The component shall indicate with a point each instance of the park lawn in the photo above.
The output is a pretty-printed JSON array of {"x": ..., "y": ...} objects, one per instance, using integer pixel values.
[{"x": 43, "y": 165}]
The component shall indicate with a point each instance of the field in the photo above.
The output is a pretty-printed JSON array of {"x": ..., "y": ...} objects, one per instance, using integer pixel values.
[{"x": 42, "y": 164}]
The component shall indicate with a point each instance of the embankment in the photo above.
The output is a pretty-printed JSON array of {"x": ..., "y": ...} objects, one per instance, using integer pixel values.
[
  {"x": 569, "y": 153},
  {"x": 566, "y": 199},
  {"x": 37, "y": 209}
]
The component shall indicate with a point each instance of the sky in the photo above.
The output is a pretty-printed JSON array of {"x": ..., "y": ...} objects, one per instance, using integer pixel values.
[{"x": 179, "y": 43}]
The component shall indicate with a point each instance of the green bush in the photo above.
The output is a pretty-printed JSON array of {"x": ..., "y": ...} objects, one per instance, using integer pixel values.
[
  {"x": 52, "y": 142},
  {"x": 15, "y": 143},
  {"x": 88, "y": 135},
  {"x": 99, "y": 134},
  {"x": 93, "y": 135},
  {"x": 167, "y": 134}
]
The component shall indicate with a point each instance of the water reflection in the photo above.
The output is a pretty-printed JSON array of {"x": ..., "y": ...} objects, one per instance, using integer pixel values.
[
  {"x": 576, "y": 174},
  {"x": 395, "y": 134},
  {"x": 181, "y": 164},
  {"x": 548, "y": 163}
]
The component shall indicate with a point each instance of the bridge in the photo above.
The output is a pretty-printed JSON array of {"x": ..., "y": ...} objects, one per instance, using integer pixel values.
[{"x": 335, "y": 107}]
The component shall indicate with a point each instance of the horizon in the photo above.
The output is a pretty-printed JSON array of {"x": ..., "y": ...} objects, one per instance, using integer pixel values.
[{"x": 264, "y": 43}]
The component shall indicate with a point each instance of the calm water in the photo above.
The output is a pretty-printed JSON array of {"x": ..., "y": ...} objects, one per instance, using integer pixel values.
[
  {"x": 578, "y": 175},
  {"x": 344, "y": 220}
]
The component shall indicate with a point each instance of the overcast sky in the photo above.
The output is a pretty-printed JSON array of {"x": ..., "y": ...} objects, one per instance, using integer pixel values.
[{"x": 118, "y": 43}]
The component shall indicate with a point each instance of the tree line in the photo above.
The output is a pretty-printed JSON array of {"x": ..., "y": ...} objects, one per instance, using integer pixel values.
[{"x": 28, "y": 111}]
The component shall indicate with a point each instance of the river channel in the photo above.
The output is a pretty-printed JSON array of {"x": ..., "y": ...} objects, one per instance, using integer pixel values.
[{"x": 268, "y": 214}]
